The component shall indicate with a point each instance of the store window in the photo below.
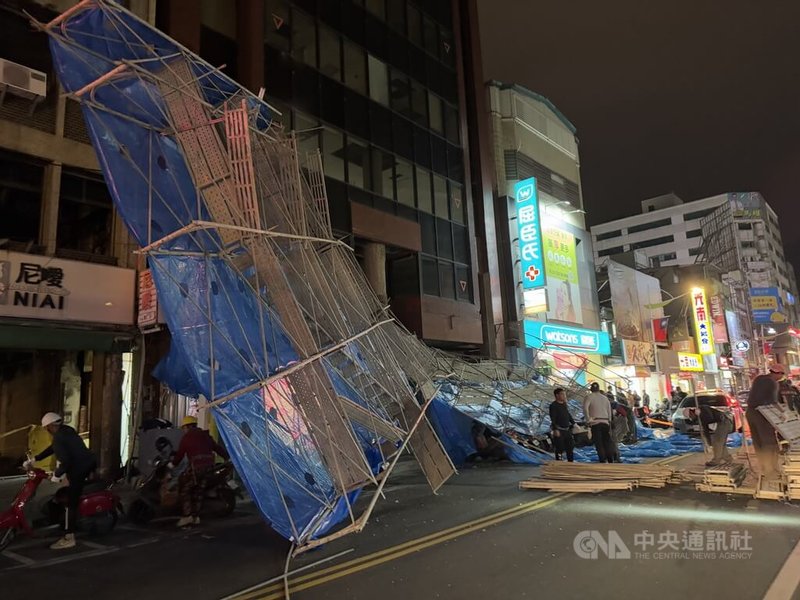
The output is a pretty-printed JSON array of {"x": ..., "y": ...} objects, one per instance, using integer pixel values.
[
  {"x": 333, "y": 153},
  {"x": 430, "y": 276},
  {"x": 424, "y": 191},
  {"x": 447, "y": 286},
  {"x": 85, "y": 214},
  {"x": 451, "y": 124},
  {"x": 20, "y": 199},
  {"x": 276, "y": 26},
  {"x": 355, "y": 67},
  {"x": 382, "y": 173},
  {"x": 304, "y": 39},
  {"x": 457, "y": 208},
  {"x": 435, "y": 113},
  {"x": 400, "y": 91},
  {"x": 378, "y": 80},
  {"x": 396, "y": 15},
  {"x": 419, "y": 103},
  {"x": 414, "y": 25},
  {"x": 330, "y": 53},
  {"x": 357, "y": 164},
  {"x": 404, "y": 181},
  {"x": 377, "y": 8},
  {"x": 440, "y": 197}
]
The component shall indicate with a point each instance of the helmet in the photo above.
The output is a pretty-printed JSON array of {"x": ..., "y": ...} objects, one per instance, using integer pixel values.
[
  {"x": 777, "y": 368},
  {"x": 51, "y": 418},
  {"x": 188, "y": 421}
]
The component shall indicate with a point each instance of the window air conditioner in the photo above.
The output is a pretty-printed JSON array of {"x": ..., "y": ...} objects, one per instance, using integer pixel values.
[{"x": 22, "y": 81}]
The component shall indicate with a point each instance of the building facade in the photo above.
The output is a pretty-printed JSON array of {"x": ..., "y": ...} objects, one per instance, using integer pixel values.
[{"x": 532, "y": 141}]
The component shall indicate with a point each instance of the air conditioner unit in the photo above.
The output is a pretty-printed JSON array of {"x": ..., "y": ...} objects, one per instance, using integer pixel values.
[{"x": 22, "y": 81}]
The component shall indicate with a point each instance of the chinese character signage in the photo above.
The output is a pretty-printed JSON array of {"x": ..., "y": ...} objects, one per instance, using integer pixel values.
[
  {"x": 148, "y": 301},
  {"x": 766, "y": 305},
  {"x": 718, "y": 327},
  {"x": 702, "y": 322},
  {"x": 552, "y": 336},
  {"x": 561, "y": 265},
  {"x": 529, "y": 232},
  {"x": 638, "y": 353},
  {"x": 690, "y": 362},
  {"x": 41, "y": 287}
]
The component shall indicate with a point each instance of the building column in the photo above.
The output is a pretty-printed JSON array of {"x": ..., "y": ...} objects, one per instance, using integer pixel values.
[
  {"x": 375, "y": 269},
  {"x": 105, "y": 411},
  {"x": 181, "y": 20},
  {"x": 250, "y": 43},
  {"x": 51, "y": 192}
]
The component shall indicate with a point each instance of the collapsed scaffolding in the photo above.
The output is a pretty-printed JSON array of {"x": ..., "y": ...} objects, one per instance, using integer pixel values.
[{"x": 316, "y": 387}]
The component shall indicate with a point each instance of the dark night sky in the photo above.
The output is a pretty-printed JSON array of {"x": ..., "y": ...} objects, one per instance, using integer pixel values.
[{"x": 697, "y": 97}]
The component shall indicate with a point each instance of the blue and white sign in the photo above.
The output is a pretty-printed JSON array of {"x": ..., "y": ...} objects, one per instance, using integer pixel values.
[
  {"x": 529, "y": 234},
  {"x": 742, "y": 346},
  {"x": 550, "y": 335}
]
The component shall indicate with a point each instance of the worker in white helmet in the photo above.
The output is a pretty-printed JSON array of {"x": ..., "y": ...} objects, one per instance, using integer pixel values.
[{"x": 75, "y": 461}]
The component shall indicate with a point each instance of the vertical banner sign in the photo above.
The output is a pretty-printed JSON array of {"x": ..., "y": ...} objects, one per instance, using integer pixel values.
[
  {"x": 718, "y": 327},
  {"x": 529, "y": 232},
  {"x": 561, "y": 265},
  {"x": 702, "y": 322}
]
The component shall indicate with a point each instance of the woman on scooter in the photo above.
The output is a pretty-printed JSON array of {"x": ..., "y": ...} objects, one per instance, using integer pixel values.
[{"x": 75, "y": 461}]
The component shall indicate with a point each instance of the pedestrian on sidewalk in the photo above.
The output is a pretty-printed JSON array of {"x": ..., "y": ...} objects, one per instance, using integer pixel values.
[
  {"x": 763, "y": 392},
  {"x": 597, "y": 413},
  {"x": 198, "y": 447},
  {"x": 561, "y": 424}
]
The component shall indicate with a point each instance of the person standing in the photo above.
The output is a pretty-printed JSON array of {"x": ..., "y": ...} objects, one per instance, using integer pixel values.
[
  {"x": 198, "y": 447},
  {"x": 764, "y": 392},
  {"x": 75, "y": 461},
  {"x": 646, "y": 400},
  {"x": 561, "y": 424},
  {"x": 597, "y": 412}
]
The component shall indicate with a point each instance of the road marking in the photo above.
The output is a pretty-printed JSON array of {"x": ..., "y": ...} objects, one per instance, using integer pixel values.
[
  {"x": 17, "y": 557},
  {"x": 64, "y": 559},
  {"x": 788, "y": 579},
  {"x": 363, "y": 562},
  {"x": 143, "y": 542},
  {"x": 381, "y": 556},
  {"x": 95, "y": 545}
]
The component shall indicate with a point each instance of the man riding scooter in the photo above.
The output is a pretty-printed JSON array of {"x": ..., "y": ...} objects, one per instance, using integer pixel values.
[
  {"x": 75, "y": 461},
  {"x": 198, "y": 447}
]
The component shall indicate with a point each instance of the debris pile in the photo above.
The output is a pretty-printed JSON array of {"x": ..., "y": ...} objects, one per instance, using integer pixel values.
[{"x": 581, "y": 477}]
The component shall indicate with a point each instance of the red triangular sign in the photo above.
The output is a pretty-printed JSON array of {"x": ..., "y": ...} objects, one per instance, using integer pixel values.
[
  {"x": 463, "y": 285},
  {"x": 446, "y": 47},
  {"x": 277, "y": 21}
]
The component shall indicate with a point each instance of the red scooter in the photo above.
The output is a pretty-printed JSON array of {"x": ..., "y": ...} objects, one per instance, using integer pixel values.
[{"x": 98, "y": 505}]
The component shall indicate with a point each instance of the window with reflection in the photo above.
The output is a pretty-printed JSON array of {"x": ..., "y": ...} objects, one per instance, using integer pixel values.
[
  {"x": 435, "y": 113},
  {"x": 333, "y": 153},
  {"x": 358, "y": 161},
  {"x": 404, "y": 182},
  {"x": 419, "y": 103},
  {"x": 457, "y": 207},
  {"x": 330, "y": 53},
  {"x": 355, "y": 67},
  {"x": 382, "y": 173},
  {"x": 276, "y": 26},
  {"x": 424, "y": 190},
  {"x": 304, "y": 38},
  {"x": 440, "y": 197},
  {"x": 378, "y": 80}
]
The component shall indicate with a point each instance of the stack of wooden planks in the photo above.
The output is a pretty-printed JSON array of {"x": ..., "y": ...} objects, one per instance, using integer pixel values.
[
  {"x": 560, "y": 476},
  {"x": 791, "y": 474},
  {"x": 726, "y": 478}
]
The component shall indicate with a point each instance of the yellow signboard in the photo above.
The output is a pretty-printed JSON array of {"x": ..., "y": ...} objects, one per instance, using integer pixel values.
[
  {"x": 690, "y": 362},
  {"x": 702, "y": 322},
  {"x": 764, "y": 302}
]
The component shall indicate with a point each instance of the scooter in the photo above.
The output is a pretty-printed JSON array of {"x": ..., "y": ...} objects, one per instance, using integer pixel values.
[
  {"x": 99, "y": 506},
  {"x": 157, "y": 496}
]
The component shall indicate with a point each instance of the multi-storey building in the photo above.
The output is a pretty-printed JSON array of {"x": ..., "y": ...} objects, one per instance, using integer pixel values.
[{"x": 532, "y": 139}]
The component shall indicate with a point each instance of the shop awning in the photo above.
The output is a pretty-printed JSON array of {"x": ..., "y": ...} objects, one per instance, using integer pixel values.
[{"x": 50, "y": 336}]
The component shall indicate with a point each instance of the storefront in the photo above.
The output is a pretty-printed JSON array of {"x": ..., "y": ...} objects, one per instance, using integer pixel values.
[
  {"x": 66, "y": 332},
  {"x": 573, "y": 354}
]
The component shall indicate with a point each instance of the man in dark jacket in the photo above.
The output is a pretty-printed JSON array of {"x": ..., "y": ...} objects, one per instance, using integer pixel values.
[
  {"x": 198, "y": 447},
  {"x": 561, "y": 424},
  {"x": 75, "y": 461}
]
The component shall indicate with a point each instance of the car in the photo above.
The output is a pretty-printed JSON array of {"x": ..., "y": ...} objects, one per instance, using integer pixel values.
[{"x": 715, "y": 398}]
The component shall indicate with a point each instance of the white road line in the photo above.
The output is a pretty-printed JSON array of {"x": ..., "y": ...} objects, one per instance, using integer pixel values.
[
  {"x": 143, "y": 542},
  {"x": 95, "y": 545},
  {"x": 64, "y": 559},
  {"x": 788, "y": 578},
  {"x": 17, "y": 557}
]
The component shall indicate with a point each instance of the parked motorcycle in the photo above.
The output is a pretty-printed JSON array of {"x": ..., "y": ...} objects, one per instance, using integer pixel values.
[
  {"x": 157, "y": 494},
  {"x": 98, "y": 509}
]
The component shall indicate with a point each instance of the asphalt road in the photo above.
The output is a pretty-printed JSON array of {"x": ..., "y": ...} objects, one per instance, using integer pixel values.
[{"x": 481, "y": 537}]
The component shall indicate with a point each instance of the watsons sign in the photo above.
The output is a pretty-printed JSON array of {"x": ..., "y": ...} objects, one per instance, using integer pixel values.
[{"x": 550, "y": 335}]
